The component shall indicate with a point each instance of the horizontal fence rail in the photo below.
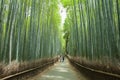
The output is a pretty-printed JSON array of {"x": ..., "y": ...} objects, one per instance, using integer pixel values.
[
  {"x": 26, "y": 71},
  {"x": 97, "y": 71}
]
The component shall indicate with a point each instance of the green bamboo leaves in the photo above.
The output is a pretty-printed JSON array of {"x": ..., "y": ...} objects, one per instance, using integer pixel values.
[
  {"x": 29, "y": 30},
  {"x": 93, "y": 27}
]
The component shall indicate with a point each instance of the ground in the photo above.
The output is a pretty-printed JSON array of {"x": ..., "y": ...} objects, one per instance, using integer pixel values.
[{"x": 60, "y": 71}]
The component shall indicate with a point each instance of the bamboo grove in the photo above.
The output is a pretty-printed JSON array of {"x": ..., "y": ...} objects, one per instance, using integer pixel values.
[
  {"x": 29, "y": 30},
  {"x": 92, "y": 29}
]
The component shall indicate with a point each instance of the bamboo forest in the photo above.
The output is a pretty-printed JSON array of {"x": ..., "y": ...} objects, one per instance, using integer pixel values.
[{"x": 59, "y": 39}]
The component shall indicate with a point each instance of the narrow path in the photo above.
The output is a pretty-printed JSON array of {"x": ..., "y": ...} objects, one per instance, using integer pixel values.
[{"x": 60, "y": 71}]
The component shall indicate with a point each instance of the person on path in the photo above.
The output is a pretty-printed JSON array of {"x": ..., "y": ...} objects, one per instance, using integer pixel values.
[{"x": 62, "y": 58}]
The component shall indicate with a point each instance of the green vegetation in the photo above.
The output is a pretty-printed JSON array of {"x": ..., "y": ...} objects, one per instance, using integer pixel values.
[
  {"x": 29, "y": 30},
  {"x": 92, "y": 29}
]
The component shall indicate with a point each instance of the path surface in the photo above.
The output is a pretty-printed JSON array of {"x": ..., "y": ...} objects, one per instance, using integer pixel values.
[{"x": 60, "y": 71}]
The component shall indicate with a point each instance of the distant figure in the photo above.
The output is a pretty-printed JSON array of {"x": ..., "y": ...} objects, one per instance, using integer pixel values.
[
  {"x": 60, "y": 58},
  {"x": 63, "y": 58}
]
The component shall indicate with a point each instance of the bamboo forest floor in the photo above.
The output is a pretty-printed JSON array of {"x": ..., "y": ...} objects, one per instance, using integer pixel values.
[{"x": 60, "y": 71}]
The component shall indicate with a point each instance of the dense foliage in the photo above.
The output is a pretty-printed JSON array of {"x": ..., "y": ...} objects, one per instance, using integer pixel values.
[
  {"x": 92, "y": 29},
  {"x": 29, "y": 30}
]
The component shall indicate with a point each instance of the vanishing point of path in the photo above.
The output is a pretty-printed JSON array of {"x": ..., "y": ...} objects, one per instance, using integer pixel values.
[{"x": 60, "y": 71}]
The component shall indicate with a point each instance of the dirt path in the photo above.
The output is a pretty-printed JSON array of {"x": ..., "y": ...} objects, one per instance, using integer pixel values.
[{"x": 60, "y": 71}]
